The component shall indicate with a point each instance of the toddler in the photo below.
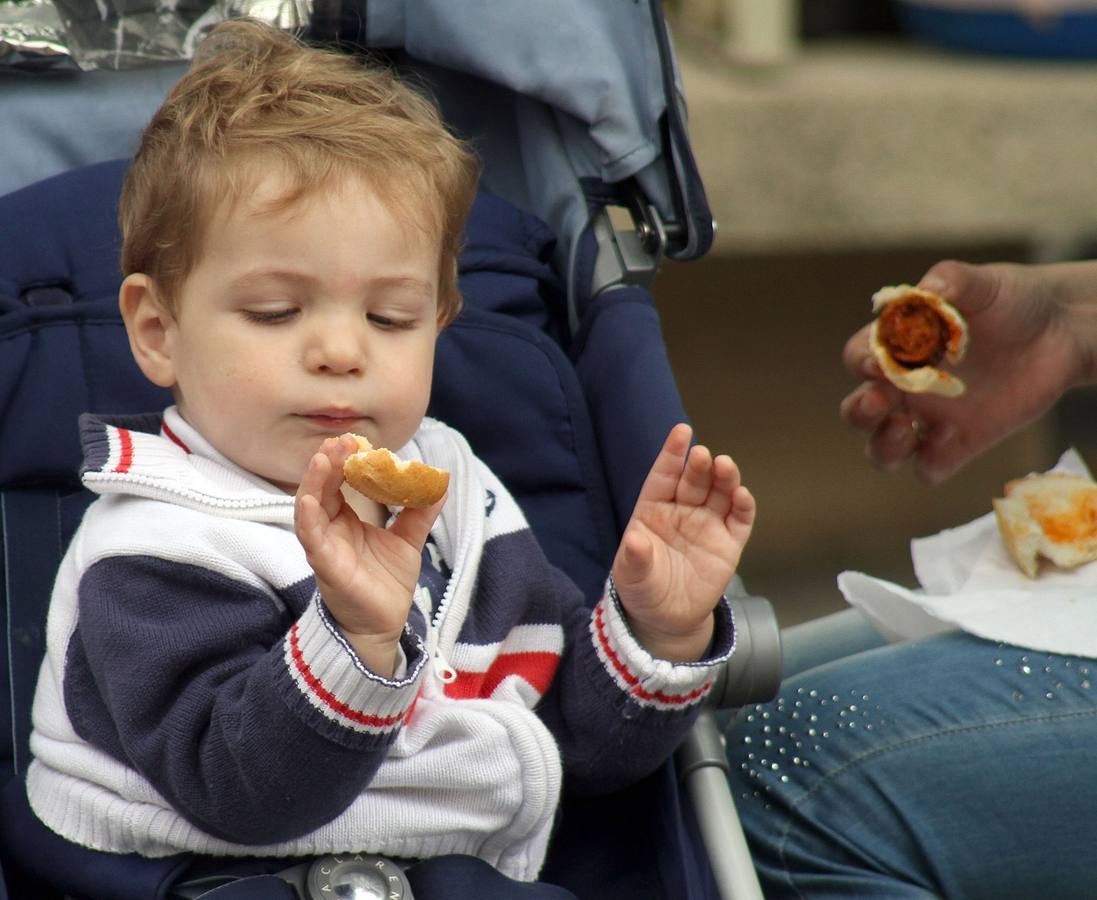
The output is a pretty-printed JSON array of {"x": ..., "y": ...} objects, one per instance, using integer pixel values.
[{"x": 241, "y": 662}]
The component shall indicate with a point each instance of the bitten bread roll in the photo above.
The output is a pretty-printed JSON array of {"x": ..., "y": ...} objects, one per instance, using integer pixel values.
[
  {"x": 913, "y": 331},
  {"x": 380, "y": 475},
  {"x": 1052, "y": 516}
]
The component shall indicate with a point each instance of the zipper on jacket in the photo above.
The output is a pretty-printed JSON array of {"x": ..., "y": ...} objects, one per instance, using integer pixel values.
[{"x": 443, "y": 671}]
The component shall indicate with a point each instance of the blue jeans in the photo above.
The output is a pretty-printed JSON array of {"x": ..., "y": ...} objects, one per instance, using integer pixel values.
[{"x": 948, "y": 767}]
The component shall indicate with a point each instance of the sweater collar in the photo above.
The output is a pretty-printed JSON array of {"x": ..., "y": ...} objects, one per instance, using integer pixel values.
[{"x": 163, "y": 457}]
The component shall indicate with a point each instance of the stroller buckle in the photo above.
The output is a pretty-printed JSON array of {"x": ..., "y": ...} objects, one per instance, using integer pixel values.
[{"x": 354, "y": 875}]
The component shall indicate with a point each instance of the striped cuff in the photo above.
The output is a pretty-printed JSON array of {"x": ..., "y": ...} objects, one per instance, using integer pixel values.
[
  {"x": 652, "y": 682},
  {"x": 330, "y": 676}
]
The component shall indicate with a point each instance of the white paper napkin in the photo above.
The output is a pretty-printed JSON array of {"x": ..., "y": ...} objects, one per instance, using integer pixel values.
[{"x": 968, "y": 581}]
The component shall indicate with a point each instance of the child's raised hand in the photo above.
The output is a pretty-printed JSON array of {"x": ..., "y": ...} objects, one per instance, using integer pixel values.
[
  {"x": 681, "y": 547},
  {"x": 366, "y": 574}
]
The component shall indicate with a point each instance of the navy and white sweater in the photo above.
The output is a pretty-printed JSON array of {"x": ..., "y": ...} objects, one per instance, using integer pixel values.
[{"x": 196, "y": 695}]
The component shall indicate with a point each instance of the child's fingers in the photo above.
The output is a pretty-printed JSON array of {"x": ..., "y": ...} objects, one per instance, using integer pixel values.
[
  {"x": 327, "y": 468},
  {"x": 743, "y": 510},
  {"x": 725, "y": 480},
  {"x": 308, "y": 522},
  {"x": 339, "y": 449},
  {"x": 695, "y": 481},
  {"x": 662, "y": 480},
  {"x": 316, "y": 475}
]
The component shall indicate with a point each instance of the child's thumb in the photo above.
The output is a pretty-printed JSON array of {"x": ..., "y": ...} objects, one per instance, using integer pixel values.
[{"x": 634, "y": 558}]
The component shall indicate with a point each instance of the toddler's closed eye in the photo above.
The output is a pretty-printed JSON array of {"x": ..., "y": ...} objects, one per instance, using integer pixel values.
[
  {"x": 270, "y": 316},
  {"x": 391, "y": 324}
]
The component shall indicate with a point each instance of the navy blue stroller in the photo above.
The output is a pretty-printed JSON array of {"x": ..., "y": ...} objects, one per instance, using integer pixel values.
[{"x": 558, "y": 321}]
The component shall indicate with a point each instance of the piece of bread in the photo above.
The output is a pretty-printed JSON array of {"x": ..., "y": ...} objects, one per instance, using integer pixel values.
[
  {"x": 1052, "y": 516},
  {"x": 913, "y": 331},
  {"x": 380, "y": 475}
]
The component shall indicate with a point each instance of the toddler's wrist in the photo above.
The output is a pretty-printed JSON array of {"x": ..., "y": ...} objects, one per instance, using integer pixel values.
[
  {"x": 676, "y": 648},
  {"x": 381, "y": 655},
  {"x": 676, "y": 645}
]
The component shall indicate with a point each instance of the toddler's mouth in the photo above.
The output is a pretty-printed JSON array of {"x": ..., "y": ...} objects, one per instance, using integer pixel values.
[{"x": 335, "y": 420}]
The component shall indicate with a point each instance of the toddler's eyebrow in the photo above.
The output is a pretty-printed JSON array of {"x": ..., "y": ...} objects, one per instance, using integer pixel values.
[
  {"x": 257, "y": 276},
  {"x": 411, "y": 283}
]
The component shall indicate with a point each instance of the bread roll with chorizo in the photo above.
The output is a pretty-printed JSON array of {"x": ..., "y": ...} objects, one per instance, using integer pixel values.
[
  {"x": 380, "y": 475},
  {"x": 1053, "y": 516},
  {"x": 913, "y": 331}
]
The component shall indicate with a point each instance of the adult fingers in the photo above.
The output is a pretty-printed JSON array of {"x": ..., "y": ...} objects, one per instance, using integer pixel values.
[
  {"x": 895, "y": 441},
  {"x": 970, "y": 288},
  {"x": 857, "y": 357},
  {"x": 867, "y": 407},
  {"x": 941, "y": 454}
]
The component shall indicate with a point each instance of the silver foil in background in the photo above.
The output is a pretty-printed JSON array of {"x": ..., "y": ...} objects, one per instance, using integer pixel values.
[
  {"x": 68, "y": 35},
  {"x": 32, "y": 38}
]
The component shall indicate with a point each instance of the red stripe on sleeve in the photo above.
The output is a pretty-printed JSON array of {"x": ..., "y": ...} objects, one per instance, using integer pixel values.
[
  {"x": 631, "y": 680},
  {"x": 328, "y": 698}
]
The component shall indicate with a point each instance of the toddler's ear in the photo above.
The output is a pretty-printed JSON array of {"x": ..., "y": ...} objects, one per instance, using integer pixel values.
[{"x": 149, "y": 325}]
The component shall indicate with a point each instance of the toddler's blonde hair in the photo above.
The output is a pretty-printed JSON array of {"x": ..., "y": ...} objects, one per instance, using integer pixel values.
[{"x": 258, "y": 100}]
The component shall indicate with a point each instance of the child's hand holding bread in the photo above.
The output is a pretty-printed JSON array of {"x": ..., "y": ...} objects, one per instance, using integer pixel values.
[{"x": 366, "y": 573}]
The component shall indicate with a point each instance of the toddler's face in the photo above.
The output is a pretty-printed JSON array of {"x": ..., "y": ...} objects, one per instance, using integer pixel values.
[{"x": 304, "y": 323}]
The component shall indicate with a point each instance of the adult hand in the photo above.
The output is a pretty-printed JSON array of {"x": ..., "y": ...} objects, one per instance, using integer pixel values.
[{"x": 1033, "y": 331}]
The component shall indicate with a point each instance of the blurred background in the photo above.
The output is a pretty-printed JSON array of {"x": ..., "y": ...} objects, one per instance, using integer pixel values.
[{"x": 845, "y": 146}]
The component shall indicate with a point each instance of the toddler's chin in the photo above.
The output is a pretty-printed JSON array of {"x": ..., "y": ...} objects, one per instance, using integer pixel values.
[{"x": 285, "y": 478}]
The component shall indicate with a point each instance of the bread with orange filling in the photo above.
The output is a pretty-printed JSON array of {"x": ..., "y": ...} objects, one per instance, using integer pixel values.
[
  {"x": 1051, "y": 516},
  {"x": 914, "y": 330}
]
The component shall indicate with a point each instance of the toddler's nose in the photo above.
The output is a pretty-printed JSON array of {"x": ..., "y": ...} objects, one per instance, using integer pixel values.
[{"x": 336, "y": 351}]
